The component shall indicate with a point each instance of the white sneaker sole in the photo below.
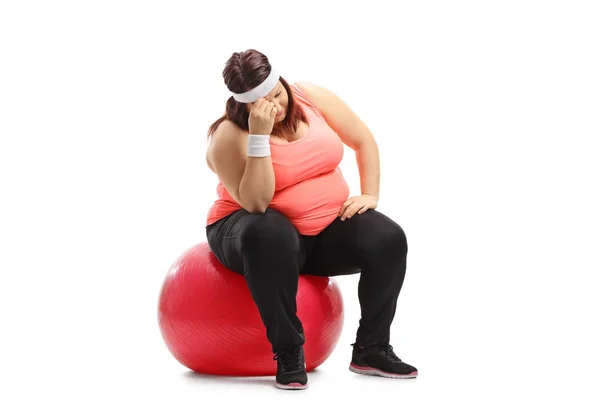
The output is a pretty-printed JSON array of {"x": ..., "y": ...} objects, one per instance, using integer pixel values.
[
  {"x": 291, "y": 386},
  {"x": 376, "y": 372}
]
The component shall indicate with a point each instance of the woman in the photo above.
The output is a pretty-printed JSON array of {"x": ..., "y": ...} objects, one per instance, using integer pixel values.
[{"x": 283, "y": 209}]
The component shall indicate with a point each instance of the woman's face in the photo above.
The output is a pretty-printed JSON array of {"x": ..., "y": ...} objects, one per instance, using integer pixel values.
[{"x": 278, "y": 96}]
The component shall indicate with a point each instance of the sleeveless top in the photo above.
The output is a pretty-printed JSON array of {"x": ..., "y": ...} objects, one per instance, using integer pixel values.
[{"x": 309, "y": 186}]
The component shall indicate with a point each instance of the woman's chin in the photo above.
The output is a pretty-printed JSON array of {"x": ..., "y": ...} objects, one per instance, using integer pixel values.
[{"x": 280, "y": 117}]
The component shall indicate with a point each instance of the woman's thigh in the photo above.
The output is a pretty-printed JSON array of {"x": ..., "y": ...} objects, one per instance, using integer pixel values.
[
  {"x": 263, "y": 236},
  {"x": 367, "y": 240}
]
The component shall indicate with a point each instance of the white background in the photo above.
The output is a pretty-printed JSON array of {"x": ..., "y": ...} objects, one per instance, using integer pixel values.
[{"x": 487, "y": 117}]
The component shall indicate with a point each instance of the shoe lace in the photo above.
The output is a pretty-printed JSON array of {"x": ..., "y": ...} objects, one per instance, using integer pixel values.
[
  {"x": 290, "y": 359},
  {"x": 387, "y": 349},
  {"x": 389, "y": 352}
]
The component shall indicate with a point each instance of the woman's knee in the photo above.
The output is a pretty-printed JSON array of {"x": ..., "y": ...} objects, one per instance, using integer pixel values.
[
  {"x": 397, "y": 237},
  {"x": 268, "y": 230},
  {"x": 385, "y": 236},
  {"x": 271, "y": 248}
]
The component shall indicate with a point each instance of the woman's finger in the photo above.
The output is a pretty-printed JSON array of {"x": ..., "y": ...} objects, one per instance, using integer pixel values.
[
  {"x": 258, "y": 104},
  {"x": 363, "y": 209},
  {"x": 344, "y": 207},
  {"x": 350, "y": 211},
  {"x": 264, "y": 106}
]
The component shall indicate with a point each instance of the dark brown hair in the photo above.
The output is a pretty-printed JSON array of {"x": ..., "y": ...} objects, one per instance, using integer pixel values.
[{"x": 244, "y": 71}]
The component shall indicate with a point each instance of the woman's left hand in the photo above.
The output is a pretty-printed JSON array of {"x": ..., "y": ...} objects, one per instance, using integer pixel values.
[{"x": 357, "y": 204}]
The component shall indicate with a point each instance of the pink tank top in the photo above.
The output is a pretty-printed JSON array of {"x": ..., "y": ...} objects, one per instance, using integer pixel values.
[{"x": 309, "y": 185}]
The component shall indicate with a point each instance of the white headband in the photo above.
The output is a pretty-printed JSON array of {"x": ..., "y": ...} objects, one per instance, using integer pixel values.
[{"x": 260, "y": 91}]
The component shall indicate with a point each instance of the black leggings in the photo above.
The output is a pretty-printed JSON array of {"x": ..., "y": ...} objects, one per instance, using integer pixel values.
[{"x": 270, "y": 253}]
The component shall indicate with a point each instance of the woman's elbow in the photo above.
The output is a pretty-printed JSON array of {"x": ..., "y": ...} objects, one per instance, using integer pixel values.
[
  {"x": 256, "y": 209},
  {"x": 258, "y": 206}
]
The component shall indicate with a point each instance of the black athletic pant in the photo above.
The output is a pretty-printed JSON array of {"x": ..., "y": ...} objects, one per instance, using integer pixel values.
[{"x": 270, "y": 253}]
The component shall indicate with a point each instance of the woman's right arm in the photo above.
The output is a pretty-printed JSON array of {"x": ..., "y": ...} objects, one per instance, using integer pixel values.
[{"x": 249, "y": 180}]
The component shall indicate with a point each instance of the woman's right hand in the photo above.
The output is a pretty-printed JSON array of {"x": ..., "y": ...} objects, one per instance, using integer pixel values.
[{"x": 262, "y": 117}]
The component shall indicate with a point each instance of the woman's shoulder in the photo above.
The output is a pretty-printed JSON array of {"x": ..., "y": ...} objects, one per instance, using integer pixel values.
[
  {"x": 227, "y": 126},
  {"x": 302, "y": 89},
  {"x": 227, "y": 140},
  {"x": 304, "y": 93},
  {"x": 227, "y": 134}
]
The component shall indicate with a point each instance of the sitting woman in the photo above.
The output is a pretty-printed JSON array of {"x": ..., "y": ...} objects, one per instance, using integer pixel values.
[{"x": 283, "y": 209}]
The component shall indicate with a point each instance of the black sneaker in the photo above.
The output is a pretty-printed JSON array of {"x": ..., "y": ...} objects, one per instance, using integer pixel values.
[
  {"x": 380, "y": 361},
  {"x": 291, "y": 369}
]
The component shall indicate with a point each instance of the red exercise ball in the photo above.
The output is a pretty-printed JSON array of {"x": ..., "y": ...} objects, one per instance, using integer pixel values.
[{"x": 211, "y": 325}]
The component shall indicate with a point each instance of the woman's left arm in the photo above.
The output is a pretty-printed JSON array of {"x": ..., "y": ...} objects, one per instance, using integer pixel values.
[{"x": 356, "y": 135}]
